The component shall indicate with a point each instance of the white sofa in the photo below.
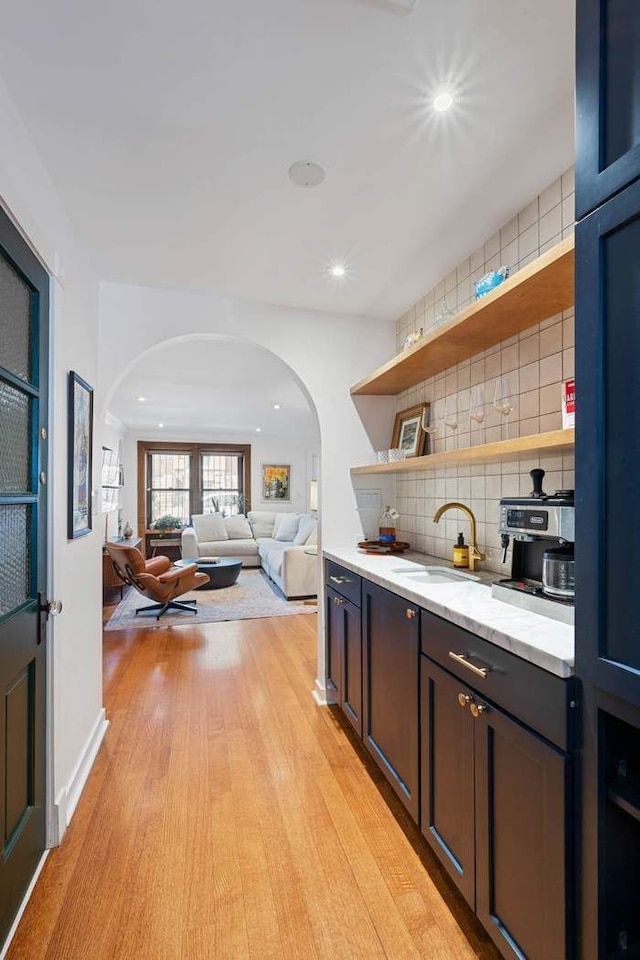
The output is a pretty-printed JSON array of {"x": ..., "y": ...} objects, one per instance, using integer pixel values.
[{"x": 279, "y": 542}]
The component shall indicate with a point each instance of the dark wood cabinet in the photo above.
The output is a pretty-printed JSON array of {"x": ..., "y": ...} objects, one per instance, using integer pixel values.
[
  {"x": 344, "y": 656},
  {"x": 607, "y": 100},
  {"x": 495, "y": 809},
  {"x": 390, "y": 659}
]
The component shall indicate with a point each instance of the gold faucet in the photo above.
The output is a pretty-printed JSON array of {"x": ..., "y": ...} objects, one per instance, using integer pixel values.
[{"x": 474, "y": 553}]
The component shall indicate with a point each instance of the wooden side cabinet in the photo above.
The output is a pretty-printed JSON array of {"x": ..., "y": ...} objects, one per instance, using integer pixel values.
[
  {"x": 495, "y": 809},
  {"x": 390, "y": 659},
  {"x": 344, "y": 656}
]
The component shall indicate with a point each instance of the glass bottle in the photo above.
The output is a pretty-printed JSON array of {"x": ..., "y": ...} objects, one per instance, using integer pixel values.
[{"x": 387, "y": 525}]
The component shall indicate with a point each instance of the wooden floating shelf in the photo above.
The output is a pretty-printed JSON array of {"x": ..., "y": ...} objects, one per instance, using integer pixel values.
[
  {"x": 538, "y": 291},
  {"x": 540, "y": 444}
]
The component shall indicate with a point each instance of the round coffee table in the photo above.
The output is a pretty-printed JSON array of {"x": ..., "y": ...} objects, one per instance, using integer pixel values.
[{"x": 222, "y": 573}]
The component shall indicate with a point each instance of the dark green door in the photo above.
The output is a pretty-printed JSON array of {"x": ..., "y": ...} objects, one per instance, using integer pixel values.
[{"x": 24, "y": 311}]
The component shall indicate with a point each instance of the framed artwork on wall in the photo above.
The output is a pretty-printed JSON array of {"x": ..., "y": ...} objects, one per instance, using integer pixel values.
[
  {"x": 276, "y": 482},
  {"x": 408, "y": 433},
  {"x": 79, "y": 466}
]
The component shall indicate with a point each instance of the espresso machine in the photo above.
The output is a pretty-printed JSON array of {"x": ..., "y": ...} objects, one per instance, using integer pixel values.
[{"x": 542, "y": 527}]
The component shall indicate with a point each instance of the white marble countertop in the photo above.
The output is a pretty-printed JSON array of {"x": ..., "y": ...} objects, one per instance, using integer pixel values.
[{"x": 469, "y": 604}]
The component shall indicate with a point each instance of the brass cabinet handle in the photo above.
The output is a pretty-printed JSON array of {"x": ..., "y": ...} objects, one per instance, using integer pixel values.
[
  {"x": 338, "y": 600},
  {"x": 464, "y": 700},
  {"x": 410, "y": 613},
  {"x": 477, "y": 709},
  {"x": 462, "y": 660}
]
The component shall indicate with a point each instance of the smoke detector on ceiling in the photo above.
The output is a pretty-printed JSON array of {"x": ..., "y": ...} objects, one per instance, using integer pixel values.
[
  {"x": 397, "y": 6},
  {"x": 306, "y": 173}
]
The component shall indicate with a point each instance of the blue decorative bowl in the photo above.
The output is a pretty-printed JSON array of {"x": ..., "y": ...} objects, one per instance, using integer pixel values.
[{"x": 490, "y": 281}]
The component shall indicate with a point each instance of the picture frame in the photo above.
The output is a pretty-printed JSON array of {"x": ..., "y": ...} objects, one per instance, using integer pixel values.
[
  {"x": 80, "y": 457},
  {"x": 276, "y": 482},
  {"x": 408, "y": 434}
]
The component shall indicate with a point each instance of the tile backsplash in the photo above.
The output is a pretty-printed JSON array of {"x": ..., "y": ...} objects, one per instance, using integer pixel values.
[{"x": 535, "y": 364}]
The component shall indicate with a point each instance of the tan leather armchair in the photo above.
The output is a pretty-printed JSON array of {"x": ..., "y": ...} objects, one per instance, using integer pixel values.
[{"x": 156, "y": 578}]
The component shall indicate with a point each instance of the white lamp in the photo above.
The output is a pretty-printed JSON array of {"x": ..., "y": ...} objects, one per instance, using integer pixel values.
[{"x": 313, "y": 495}]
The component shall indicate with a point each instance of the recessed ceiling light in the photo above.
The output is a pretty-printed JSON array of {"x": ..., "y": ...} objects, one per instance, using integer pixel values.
[
  {"x": 161, "y": 425},
  {"x": 141, "y": 399},
  {"x": 443, "y": 101},
  {"x": 276, "y": 406},
  {"x": 338, "y": 270},
  {"x": 306, "y": 173},
  {"x": 258, "y": 429}
]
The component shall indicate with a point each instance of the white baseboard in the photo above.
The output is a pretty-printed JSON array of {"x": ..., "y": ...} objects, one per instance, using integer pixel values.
[
  {"x": 25, "y": 900},
  {"x": 67, "y": 799},
  {"x": 321, "y": 695}
]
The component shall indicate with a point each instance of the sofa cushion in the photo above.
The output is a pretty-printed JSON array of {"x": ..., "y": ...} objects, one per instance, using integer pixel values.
[
  {"x": 228, "y": 548},
  {"x": 238, "y": 528},
  {"x": 274, "y": 560},
  {"x": 307, "y": 526},
  {"x": 265, "y": 545},
  {"x": 286, "y": 526},
  {"x": 209, "y": 526},
  {"x": 261, "y": 522}
]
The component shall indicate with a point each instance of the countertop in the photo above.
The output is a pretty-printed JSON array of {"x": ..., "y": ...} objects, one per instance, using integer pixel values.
[{"x": 538, "y": 639}]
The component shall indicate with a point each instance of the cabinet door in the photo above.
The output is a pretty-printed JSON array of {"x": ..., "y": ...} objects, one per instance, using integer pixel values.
[
  {"x": 390, "y": 689},
  {"x": 334, "y": 621},
  {"x": 522, "y": 892},
  {"x": 352, "y": 665},
  {"x": 447, "y": 817},
  {"x": 607, "y": 447},
  {"x": 607, "y": 99}
]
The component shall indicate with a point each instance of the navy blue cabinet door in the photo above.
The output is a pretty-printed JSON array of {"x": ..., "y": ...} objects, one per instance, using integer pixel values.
[
  {"x": 608, "y": 445},
  {"x": 447, "y": 817},
  {"x": 523, "y": 894},
  {"x": 607, "y": 100},
  {"x": 390, "y": 660}
]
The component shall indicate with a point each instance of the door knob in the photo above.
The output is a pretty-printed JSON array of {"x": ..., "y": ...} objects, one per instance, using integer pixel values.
[
  {"x": 410, "y": 613},
  {"x": 52, "y": 608},
  {"x": 464, "y": 700},
  {"x": 477, "y": 709}
]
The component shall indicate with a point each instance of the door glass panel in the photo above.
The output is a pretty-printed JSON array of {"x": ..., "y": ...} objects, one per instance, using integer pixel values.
[
  {"x": 15, "y": 440},
  {"x": 16, "y": 320},
  {"x": 15, "y": 569}
]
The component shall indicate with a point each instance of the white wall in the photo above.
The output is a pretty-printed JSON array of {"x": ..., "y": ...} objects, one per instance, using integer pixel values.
[
  {"x": 296, "y": 451},
  {"x": 327, "y": 353},
  {"x": 74, "y": 639}
]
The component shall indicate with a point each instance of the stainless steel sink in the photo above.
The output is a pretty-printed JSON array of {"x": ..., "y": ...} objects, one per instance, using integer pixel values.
[{"x": 436, "y": 575}]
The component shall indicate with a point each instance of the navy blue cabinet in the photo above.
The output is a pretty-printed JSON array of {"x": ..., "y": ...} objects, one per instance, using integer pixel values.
[
  {"x": 344, "y": 656},
  {"x": 390, "y": 681},
  {"x": 607, "y": 100},
  {"x": 608, "y": 445}
]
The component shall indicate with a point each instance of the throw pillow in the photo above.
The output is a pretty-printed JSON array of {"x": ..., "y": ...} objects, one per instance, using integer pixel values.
[
  {"x": 261, "y": 523},
  {"x": 312, "y": 540},
  {"x": 307, "y": 524},
  {"x": 286, "y": 526},
  {"x": 238, "y": 528},
  {"x": 210, "y": 527}
]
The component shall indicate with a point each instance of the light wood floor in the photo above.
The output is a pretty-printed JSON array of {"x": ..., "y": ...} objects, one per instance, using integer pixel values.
[{"x": 228, "y": 816}]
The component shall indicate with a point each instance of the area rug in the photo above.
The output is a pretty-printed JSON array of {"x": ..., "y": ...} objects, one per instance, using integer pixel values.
[{"x": 251, "y": 597}]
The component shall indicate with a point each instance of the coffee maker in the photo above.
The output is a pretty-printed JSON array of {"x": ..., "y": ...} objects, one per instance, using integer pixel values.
[{"x": 542, "y": 566}]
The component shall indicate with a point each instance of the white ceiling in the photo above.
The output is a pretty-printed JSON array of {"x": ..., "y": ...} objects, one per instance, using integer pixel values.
[
  {"x": 208, "y": 386},
  {"x": 168, "y": 129}
]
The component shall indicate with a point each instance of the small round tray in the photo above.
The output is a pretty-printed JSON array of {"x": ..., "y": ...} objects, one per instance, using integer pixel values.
[{"x": 376, "y": 546}]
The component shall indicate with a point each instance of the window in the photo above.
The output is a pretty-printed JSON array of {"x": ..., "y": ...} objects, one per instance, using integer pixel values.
[
  {"x": 110, "y": 479},
  {"x": 182, "y": 479},
  {"x": 170, "y": 486}
]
